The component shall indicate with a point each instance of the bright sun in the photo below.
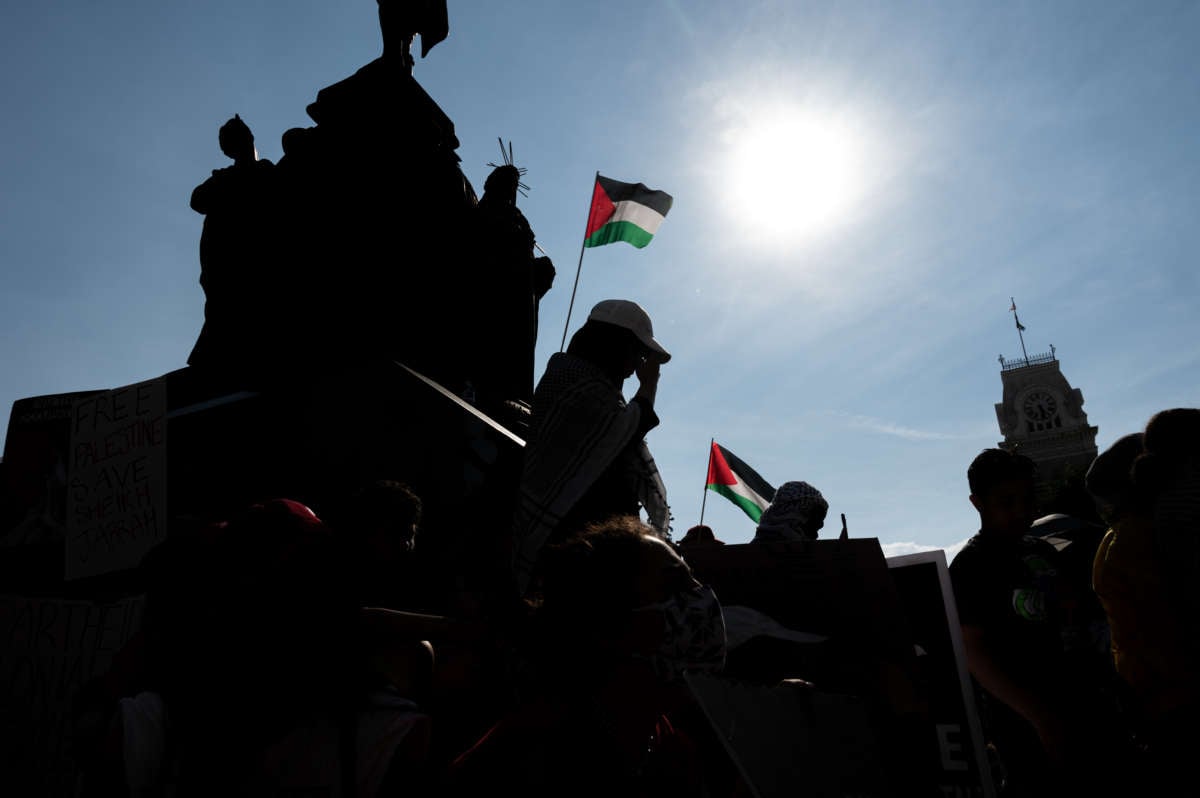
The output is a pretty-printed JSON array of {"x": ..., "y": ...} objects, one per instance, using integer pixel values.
[{"x": 791, "y": 175}]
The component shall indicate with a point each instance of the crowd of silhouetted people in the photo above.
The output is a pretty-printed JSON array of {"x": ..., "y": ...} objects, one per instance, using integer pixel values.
[
  {"x": 1087, "y": 677},
  {"x": 288, "y": 652},
  {"x": 284, "y": 653}
]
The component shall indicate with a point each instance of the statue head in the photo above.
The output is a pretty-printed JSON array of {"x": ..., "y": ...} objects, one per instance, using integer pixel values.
[
  {"x": 237, "y": 141},
  {"x": 501, "y": 184}
]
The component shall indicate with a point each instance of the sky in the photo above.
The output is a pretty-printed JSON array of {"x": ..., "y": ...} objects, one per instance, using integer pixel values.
[{"x": 860, "y": 188}]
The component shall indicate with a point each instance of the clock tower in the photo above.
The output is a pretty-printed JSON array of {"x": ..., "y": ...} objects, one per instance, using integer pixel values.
[{"x": 1042, "y": 417}]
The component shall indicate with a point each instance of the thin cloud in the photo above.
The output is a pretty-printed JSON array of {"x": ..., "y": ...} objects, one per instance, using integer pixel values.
[
  {"x": 883, "y": 427},
  {"x": 901, "y": 548}
]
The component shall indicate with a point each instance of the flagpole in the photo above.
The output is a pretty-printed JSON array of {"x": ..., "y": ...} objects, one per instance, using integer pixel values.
[
  {"x": 704, "y": 500},
  {"x": 579, "y": 268},
  {"x": 1020, "y": 330}
]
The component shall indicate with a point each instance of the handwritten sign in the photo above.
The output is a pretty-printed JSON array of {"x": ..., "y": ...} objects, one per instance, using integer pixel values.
[
  {"x": 33, "y": 493},
  {"x": 50, "y": 648},
  {"x": 117, "y": 487}
]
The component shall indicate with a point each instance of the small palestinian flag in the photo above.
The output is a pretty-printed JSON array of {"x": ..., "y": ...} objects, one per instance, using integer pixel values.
[
  {"x": 738, "y": 482},
  {"x": 624, "y": 212}
]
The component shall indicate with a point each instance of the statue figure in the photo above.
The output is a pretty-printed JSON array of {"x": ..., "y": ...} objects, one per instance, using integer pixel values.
[
  {"x": 508, "y": 282},
  {"x": 401, "y": 20},
  {"x": 234, "y": 253},
  {"x": 368, "y": 231},
  {"x": 392, "y": 226}
]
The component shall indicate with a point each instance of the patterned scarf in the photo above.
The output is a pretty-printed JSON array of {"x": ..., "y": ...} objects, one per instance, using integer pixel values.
[
  {"x": 581, "y": 425},
  {"x": 788, "y": 516}
]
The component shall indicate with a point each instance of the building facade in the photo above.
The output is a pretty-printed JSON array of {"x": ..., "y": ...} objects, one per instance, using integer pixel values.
[{"x": 1041, "y": 416}]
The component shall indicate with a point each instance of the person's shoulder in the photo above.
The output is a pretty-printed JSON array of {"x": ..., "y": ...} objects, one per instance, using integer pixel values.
[
  {"x": 583, "y": 378},
  {"x": 969, "y": 554}
]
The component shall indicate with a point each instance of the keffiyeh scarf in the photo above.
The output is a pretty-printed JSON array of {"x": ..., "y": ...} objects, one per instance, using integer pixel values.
[{"x": 581, "y": 424}]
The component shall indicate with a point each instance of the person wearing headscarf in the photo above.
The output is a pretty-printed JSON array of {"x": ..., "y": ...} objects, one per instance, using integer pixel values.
[{"x": 796, "y": 513}]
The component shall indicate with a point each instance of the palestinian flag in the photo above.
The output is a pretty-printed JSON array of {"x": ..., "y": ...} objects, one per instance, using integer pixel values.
[
  {"x": 738, "y": 482},
  {"x": 624, "y": 212}
]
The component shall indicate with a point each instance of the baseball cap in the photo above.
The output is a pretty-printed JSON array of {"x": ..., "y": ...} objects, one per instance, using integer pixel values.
[{"x": 631, "y": 316}]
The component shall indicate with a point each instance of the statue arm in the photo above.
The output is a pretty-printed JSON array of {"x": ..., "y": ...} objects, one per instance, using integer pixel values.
[
  {"x": 543, "y": 275},
  {"x": 207, "y": 195},
  {"x": 202, "y": 196}
]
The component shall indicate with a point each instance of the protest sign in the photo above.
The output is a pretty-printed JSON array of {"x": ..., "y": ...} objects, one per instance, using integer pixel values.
[
  {"x": 51, "y": 647},
  {"x": 841, "y": 592},
  {"x": 839, "y": 589},
  {"x": 33, "y": 492},
  {"x": 117, "y": 484},
  {"x": 953, "y": 740}
]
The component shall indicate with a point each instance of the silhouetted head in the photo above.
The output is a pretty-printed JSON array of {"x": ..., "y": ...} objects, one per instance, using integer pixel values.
[
  {"x": 616, "y": 591},
  {"x": 237, "y": 141},
  {"x": 631, "y": 316},
  {"x": 384, "y": 518},
  {"x": 617, "y": 337},
  {"x": 614, "y": 350},
  {"x": 700, "y": 535},
  {"x": 1002, "y": 488},
  {"x": 1109, "y": 480},
  {"x": 1171, "y": 446},
  {"x": 797, "y": 512},
  {"x": 298, "y": 141},
  {"x": 501, "y": 185}
]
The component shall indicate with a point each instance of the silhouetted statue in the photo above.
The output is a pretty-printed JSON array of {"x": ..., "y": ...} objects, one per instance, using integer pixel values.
[
  {"x": 368, "y": 243},
  {"x": 380, "y": 210},
  {"x": 509, "y": 282},
  {"x": 401, "y": 20},
  {"x": 234, "y": 253}
]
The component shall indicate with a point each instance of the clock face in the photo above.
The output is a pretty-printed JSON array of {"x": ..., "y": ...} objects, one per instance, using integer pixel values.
[{"x": 1040, "y": 406}]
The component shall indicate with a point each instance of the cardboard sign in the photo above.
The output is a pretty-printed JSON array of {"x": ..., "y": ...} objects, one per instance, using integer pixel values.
[
  {"x": 836, "y": 588},
  {"x": 50, "y": 648},
  {"x": 953, "y": 740},
  {"x": 840, "y": 590},
  {"x": 33, "y": 493},
  {"x": 117, "y": 484}
]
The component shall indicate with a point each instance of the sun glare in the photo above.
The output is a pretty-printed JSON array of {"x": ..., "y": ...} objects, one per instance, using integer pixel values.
[{"x": 791, "y": 175}]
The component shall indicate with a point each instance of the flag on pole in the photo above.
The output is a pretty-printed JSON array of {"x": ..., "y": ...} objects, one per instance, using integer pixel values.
[
  {"x": 1016, "y": 318},
  {"x": 627, "y": 212},
  {"x": 738, "y": 482}
]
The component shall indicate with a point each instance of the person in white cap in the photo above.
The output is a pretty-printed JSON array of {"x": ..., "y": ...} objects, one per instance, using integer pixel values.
[{"x": 586, "y": 458}]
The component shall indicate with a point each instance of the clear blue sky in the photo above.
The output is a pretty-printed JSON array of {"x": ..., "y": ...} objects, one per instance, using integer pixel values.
[{"x": 859, "y": 189}]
